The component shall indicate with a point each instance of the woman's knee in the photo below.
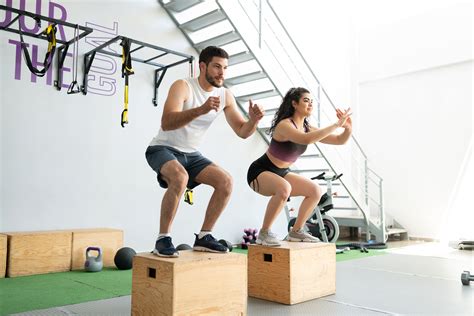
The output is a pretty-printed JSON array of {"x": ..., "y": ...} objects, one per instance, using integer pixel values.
[
  {"x": 314, "y": 192},
  {"x": 283, "y": 190}
]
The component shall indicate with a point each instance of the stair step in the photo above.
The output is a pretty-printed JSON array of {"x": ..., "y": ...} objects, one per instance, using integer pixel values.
[
  {"x": 180, "y": 5},
  {"x": 271, "y": 111},
  {"x": 311, "y": 156},
  {"x": 240, "y": 58},
  {"x": 258, "y": 95},
  {"x": 310, "y": 170},
  {"x": 203, "y": 21},
  {"x": 246, "y": 78},
  {"x": 325, "y": 183},
  {"x": 351, "y": 221},
  {"x": 392, "y": 231},
  {"x": 346, "y": 208},
  {"x": 219, "y": 40}
]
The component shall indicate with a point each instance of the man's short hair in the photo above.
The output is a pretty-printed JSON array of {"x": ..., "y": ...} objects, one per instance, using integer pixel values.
[{"x": 212, "y": 51}]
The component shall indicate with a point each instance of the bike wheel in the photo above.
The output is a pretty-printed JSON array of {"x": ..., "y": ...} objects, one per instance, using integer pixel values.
[{"x": 331, "y": 226}]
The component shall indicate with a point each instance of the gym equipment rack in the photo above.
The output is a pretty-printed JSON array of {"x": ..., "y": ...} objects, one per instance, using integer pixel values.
[
  {"x": 159, "y": 73},
  {"x": 62, "y": 50}
]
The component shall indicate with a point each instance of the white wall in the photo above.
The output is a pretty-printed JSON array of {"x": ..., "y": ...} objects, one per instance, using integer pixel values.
[
  {"x": 416, "y": 129},
  {"x": 415, "y": 101},
  {"x": 405, "y": 67},
  {"x": 67, "y": 163}
]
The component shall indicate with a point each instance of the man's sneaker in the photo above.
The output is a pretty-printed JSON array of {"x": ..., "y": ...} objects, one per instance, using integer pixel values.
[
  {"x": 209, "y": 244},
  {"x": 165, "y": 248},
  {"x": 267, "y": 238},
  {"x": 301, "y": 235}
]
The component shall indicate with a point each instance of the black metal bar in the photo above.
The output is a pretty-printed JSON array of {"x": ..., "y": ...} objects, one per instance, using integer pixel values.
[
  {"x": 180, "y": 62},
  {"x": 158, "y": 77},
  {"x": 161, "y": 55},
  {"x": 159, "y": 48},
  {"x": 45, "y": 18},
  {"x": 87, "y": 66},
  {"x": 61, "y": 56},
  {"x": 11, "y": 22},
  {"x": 99, "y": 48},
  {"x": 133, "y": 50},
  {"x": 157, "y": 83}
]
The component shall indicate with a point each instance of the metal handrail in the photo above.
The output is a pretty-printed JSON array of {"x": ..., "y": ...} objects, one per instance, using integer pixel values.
[{"x": 310, "y": 70}]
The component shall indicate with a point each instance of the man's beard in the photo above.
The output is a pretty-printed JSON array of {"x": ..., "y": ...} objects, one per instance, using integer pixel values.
[{"x": 212, "y": 82}]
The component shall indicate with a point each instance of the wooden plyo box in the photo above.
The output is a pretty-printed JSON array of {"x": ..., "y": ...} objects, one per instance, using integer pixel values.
[
  {"x": 3, "y": 255},
  {"x": 293, "y": 273},
  {"x": 109, "y": 239},
  {"x": 38, "y": 252},
  {"x": 196, "y": 283}
]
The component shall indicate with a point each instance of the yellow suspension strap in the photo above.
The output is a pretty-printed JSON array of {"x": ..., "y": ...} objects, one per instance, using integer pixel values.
[
  {"x": 188, "y": 196},
  {"x": 126, "y": 71},
  {"x": 50, "y": 33}
]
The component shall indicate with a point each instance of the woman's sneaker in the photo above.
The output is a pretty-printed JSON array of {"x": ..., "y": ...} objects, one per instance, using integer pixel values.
[
  {"x": 164, "y": 248},
  {"x": 301, "y": 235},
  {"x": 267, "y": 238}
]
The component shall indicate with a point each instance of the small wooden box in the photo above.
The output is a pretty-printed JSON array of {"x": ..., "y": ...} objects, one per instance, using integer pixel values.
[
  {"x": 38, "y": 252},
  {"x": 293, "y": 273},
  {"x": 109, "y": 239},
  {"x": 196, "y": 283},
  {"x": 3, "y": 255}
]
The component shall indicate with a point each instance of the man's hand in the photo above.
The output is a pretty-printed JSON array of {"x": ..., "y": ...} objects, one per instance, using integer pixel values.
[
  {"x": 212, "y": 103},
  {"x": 256, "y": 112}
]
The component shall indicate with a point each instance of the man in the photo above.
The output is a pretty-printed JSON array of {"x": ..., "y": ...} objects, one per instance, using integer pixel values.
[{"x": 190, "y": 108}]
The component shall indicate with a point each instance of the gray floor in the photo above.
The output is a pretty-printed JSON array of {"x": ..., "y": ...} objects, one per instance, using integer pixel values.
[{"x": 393, "y": 284}]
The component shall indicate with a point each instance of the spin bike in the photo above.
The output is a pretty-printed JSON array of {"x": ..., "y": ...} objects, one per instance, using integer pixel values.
[{"x": 320, "y": 224}]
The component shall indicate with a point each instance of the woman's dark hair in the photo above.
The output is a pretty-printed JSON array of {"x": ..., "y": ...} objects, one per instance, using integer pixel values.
[
  {"x": 212, "y": 51},
  {"x": 286, "y": 108}
]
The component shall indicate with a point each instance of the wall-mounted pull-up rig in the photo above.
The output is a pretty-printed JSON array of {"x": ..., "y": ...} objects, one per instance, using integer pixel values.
[
  {"x": 159, "y": 73},
  {"x": 49, "y": 35},
  {"x": 127, "y": 51}
]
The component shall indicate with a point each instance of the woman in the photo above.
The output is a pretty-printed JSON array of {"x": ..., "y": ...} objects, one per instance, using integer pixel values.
[{"x": 269, "y": 175}]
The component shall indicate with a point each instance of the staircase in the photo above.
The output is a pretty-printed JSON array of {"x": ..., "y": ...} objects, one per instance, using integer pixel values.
[{"x": 262, "y": 67}]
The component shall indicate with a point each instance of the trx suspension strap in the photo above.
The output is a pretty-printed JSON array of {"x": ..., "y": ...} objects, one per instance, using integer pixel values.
[
  {"x": 74, "y": 87},
  {"x": 50, "y": 33},
  {"x": 126, "y": 71},
  {"x": 188, "y": 196}
]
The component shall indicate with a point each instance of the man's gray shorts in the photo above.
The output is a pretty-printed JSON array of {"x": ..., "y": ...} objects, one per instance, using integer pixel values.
[{"x": 193, "y": 162}]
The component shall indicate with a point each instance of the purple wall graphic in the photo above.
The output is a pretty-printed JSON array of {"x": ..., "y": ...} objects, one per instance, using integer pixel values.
[{"x": 101, "y": 75}]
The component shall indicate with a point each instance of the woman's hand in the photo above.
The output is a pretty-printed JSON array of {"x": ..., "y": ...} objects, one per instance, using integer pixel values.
[{"x": 344, "y": 118}]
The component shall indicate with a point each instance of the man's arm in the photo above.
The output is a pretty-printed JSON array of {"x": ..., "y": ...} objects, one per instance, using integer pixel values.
[
  {"x": 238, "y": 124},
  {"x": 173, "y": 115}
]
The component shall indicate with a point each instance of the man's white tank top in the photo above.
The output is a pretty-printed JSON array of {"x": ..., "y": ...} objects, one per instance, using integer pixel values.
[{"x": 188, "y": 138}]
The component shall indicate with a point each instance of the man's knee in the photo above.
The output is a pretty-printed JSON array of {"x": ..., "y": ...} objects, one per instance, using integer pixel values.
[
  {"x": 225, "y": 183},
  {"x": 176, "y": 176}
]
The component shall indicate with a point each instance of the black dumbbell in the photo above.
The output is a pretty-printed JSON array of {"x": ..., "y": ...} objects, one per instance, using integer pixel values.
[
  {"x": 466, "y": 277},
  {"x": 227, "y": 244},
  {"x": 184, "y": 247}
]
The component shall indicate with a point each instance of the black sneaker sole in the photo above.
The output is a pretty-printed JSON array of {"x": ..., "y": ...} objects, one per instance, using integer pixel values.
[
  {"x": 204, "y": 249},
  {"x": 156, "y": 253}
]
